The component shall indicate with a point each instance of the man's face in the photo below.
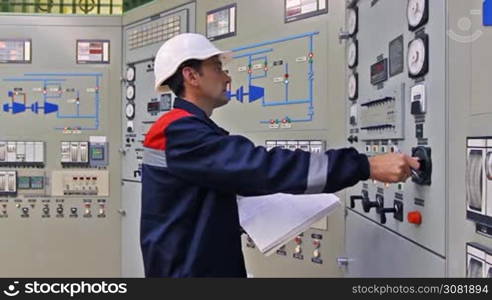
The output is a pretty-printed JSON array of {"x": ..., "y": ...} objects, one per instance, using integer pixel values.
[{"x": 213, "y": 81}]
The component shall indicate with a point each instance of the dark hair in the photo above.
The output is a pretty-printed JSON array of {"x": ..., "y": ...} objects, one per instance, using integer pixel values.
[{"x": 176, "y": 82}]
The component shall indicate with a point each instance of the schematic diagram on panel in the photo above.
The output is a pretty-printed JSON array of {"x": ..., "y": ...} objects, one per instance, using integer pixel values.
[
  {"x": 68, "y": 102},
  {"x": 276, "y": 75}
]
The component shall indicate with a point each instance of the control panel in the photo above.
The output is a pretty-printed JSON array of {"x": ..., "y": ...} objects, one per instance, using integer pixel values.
[
  {"x": 390, "y": 79},
  {"x": 387, "y": 113},
  {"x": 58, "y": 183}
]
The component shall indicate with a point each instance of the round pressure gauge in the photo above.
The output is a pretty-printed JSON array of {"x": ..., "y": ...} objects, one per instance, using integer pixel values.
[
  {"x": 418, "y": 57},
  {"x": 130, "y": 74},
  {"x": 352, "y": 53},
  {"x": 130, "y": 92},
  {"x": 353, "y": 88},
  {"x": 352, "y": 21},
  {"x": 417, "y": 13},
  {"x": 488, "y": 166},
  {"x": 130, "y": 111}
]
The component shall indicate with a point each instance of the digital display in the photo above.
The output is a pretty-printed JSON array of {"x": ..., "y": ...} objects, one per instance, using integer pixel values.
[
  {"x": 221, "y": 22},
  {"x": 15, "y": 51},
  {"x": 92, "y": 52},
  {"x": 24, "y": 182},
  {"x": 97, "y": 153},
  {"x": 37, "y": 182},
  {"x": 301, "y": 9},
  {"x": 153, "y": 107},
  {"x": 379, "y": 72}
]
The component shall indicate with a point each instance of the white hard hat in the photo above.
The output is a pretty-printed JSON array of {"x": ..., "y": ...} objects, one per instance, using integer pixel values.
[{"x": 179, "y": 49}]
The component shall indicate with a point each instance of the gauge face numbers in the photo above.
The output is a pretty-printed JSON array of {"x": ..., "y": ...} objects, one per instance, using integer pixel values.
[
  {"x": 417, "y": 13},
  {"x": 352, "y": 21},
  {"x": 418, "y": 57},
  {"x": 130, "y": 92},
  {"x": 353, "y": 86},
  {"x": 130, "y": 74},
  {"x": 352, "y": 54},
  {"x": 130, "y": 111}
]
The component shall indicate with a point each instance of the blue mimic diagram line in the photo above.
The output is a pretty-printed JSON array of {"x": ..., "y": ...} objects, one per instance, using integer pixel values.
[
  {"x": 252, "y": 53},
  {"x": 51, "y": 107},
  {"x": 256, "y": 92}
]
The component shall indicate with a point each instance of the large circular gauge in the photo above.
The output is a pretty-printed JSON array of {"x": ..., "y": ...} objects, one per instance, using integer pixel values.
[
  {"x": 488, "y": 166},
  {"x": 352, "y": 21},
  {"x": 417, "y": 13},
  {"x": 352, "y": 54},
  {"x": 353, "y": 86},
  {"x": 130, "y": 92},
  {"x": 130, "y": 74},
  {"x": 418, "y": 57},
  {"x": 130, "y": 111}
]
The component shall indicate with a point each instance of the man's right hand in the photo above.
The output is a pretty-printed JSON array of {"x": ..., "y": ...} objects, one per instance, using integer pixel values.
[{"x": 393, "y": 167}]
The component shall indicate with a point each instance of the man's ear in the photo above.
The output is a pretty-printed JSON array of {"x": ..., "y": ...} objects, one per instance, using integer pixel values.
[{"x": 190, "y": 75}]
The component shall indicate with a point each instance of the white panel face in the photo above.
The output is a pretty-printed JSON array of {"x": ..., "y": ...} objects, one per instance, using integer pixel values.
[{"x": 368, "y": 255}]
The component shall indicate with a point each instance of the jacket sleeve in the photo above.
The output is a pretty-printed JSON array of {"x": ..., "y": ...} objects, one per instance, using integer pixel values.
[{"x": 196, "y": 153}]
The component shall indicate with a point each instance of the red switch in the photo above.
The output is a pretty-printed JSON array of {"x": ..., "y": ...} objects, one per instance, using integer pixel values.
[{"x": 414, "y": 217}]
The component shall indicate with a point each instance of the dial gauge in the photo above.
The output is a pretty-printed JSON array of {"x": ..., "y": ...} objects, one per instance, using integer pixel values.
[
  {"x": 352, "y": 21},
  {"x": 130, "y": 111},
  {"x": 130, "y": 92},
  {"x": 130, "y": 74},
  {"x": 352, "y": 54},
  {"x": 417, "y": 13},
  {"x": 418, "y": 57},
  {"x": 353, "y": 86}
]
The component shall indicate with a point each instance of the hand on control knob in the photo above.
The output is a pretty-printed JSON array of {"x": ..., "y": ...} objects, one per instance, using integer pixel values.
[{"x": 393, "y": 167}]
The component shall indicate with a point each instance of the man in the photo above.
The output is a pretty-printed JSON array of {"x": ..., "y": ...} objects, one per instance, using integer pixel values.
[{"x": 193, "y": 169}]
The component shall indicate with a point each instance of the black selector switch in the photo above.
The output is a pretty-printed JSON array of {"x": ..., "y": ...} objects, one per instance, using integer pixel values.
[
  {"x": 396, "y": 210},
  {"x": 423, "y": 175},
  {"x": 366, "y": 203}
]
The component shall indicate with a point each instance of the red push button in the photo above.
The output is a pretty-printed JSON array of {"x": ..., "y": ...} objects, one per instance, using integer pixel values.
[{"x": 414, "y": 217}]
